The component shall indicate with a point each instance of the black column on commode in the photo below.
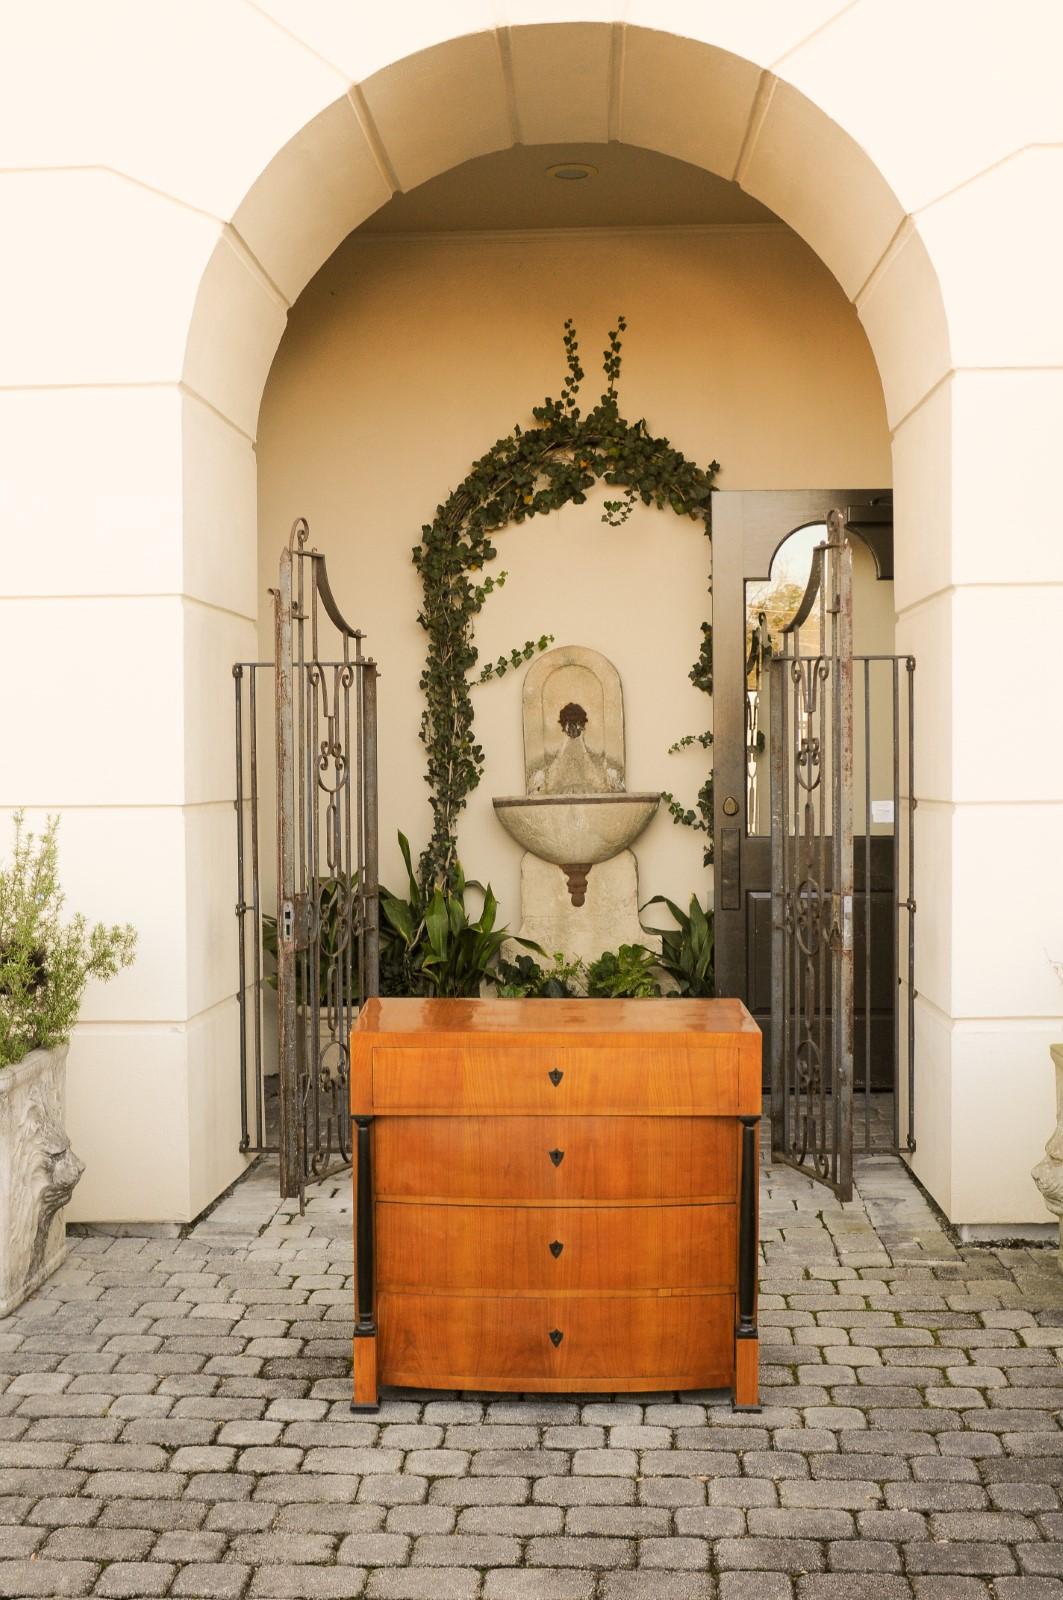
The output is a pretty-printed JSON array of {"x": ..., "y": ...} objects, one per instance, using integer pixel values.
[
  {"x": 747, "y": 1231},
  {"x": 365, "y": 1326}
]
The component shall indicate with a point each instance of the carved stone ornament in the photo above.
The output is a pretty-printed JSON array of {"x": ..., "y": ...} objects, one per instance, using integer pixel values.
[
  {"x": 1048, "y": 1173},
  {"x": 576, "y": 815},
  {"x": 38, "y": 1173}
]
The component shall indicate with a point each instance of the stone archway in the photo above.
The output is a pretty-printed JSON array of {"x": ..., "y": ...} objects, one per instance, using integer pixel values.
[
  {"x": 456, "y": 100},
  {"x": 172, "y": 213},
  {"x": 427, "y": 112}
]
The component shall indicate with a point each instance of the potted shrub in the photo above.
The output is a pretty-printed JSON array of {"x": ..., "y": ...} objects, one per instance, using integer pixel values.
[{"x": 45, "y": 963}]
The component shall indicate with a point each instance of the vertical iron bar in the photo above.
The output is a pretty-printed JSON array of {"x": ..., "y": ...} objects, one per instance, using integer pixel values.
[
  {"x": 241, "y": 907},
  {"x": 256, "y": 910},
  {"x": 830, "y": 818},
  {"x": 747, "y": 1231},
  {"x": 351, "y": 980},
  {"x": 777, "y": 697},
  {"x": 788, "y": 852},
  {"x": 802, "y": 864},
  {"x": 895, "y": 890},
  {"x": 795, "y": 1009},
  {"x": 843, "y": 883},
  {"x": 286, "y": 882},
  {"x": 372, "y": 867},
  {"x": 359, "y": 711},
  {"x": 911, "y": 901},
  {"x": 348, "y": 1007},
  {"x": 826, "y": 886},
  {"x": 867, "y": 904},
  {"x": 302, "y": 982},
  {"x": 316, "y": 691}
]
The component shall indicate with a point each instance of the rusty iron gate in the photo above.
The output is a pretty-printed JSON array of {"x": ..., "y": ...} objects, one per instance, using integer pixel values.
[
  {"x": 313, "y": 708},
  {"x": 822, "y": 896}
]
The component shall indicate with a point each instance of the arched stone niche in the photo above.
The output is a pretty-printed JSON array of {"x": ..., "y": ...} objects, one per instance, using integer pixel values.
[{"x": 572, "y": 675}]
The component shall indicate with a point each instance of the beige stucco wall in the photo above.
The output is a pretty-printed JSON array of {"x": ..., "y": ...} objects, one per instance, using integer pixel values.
[{"x": 405, "y": 359}]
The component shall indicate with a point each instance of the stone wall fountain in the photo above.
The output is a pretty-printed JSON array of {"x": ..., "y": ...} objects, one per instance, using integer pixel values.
[{"x": 578, "y": 877}]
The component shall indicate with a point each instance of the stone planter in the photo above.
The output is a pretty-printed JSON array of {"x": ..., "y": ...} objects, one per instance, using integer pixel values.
[
  {"x": 1048, "y": 1173},
  {"x": 38, "y": 1172}
]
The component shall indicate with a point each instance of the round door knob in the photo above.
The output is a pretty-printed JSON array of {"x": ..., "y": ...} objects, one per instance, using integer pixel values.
[{"x": 730, "y": 806}]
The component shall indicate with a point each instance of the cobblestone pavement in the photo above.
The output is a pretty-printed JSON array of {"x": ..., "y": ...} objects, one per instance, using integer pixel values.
[{"x": 174, "y": 1421}]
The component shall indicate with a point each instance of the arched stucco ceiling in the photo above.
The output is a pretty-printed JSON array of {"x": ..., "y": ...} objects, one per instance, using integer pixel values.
[
  {"x": 516, "y": 189},
  {"x": 561, "y": 83}
]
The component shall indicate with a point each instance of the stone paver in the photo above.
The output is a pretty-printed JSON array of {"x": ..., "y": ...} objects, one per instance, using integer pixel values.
[{"x": 174, "y": 1421}]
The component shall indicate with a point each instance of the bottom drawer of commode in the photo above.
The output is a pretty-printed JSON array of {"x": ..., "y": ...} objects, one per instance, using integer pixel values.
[{"x": 557, "y": 1342}]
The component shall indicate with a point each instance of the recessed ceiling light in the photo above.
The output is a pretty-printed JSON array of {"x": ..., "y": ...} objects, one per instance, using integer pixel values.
[{"x": 572, "y": 171}]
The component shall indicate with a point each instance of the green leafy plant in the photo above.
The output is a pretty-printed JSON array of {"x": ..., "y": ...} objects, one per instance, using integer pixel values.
[
  {"x": 402, "y": 932},
  {"x": 336, "y": 908},
  {"x": 45, "y": 962},
  {"x": 625, "y": 974},
  {"x": 699, "y": 815},
  {"x": 462, "y": 952},
  {"x": 688, "y": 949},
  {"x": 530, "y": 472},
  {"x": 524, "y": 979},
  {"x": 439, "y": 948}
]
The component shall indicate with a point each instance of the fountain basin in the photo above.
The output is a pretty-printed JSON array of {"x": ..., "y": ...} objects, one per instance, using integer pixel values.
[{"x": 568, "y": 828}]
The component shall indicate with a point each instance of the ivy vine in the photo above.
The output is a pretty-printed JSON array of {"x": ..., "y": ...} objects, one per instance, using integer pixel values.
[{"x": 528, "y": 473}]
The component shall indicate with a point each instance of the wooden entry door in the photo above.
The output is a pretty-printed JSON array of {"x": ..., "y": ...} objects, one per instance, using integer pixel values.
[{"x": 748, "y": 529}]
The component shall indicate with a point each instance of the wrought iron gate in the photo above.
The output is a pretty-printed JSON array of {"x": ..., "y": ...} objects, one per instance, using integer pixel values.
[
  {"x": 814, "y": 895},
  {"x": 324, "y": 940}
]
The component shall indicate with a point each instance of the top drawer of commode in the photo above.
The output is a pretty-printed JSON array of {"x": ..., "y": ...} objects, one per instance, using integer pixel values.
[
  {"x": 529, "y": 1079},
  {"x": 549, "y": 1057}
]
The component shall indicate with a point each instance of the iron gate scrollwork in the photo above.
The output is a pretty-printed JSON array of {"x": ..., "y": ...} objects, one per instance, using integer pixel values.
[
  {"x": 812, "y": 875},
  {"x": 325, "y": 937}
]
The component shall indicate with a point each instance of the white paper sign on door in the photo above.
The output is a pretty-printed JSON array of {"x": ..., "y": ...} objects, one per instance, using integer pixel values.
[{"x": 882, "y": 810}]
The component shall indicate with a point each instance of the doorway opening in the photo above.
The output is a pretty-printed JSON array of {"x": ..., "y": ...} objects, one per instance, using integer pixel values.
[{"x": 766, "y": 549}]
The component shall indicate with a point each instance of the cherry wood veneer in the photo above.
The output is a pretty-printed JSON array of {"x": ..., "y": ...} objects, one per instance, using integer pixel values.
[
  {"x": 625, "y": 1160},
  {"x": 502, "y": 1250},
  {"x": 555, "y": 1195},
  {"x": 461, "y": 1342}
]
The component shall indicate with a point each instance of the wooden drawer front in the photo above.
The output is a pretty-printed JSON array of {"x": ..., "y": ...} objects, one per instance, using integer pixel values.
[
  {"x": 460, "y": 1342},
  {"x": 496, "y": 1250},
  {"x": 650, "y": 1080},
  {"x": 578, "y": 1160}
]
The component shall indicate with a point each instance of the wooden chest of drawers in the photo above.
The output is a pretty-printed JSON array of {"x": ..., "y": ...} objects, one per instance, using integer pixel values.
[{"x": 555, "y": 1195}]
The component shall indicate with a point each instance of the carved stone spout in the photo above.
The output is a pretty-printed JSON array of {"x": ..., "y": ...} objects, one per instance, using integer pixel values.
[{"x": 576, "y": 878}]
